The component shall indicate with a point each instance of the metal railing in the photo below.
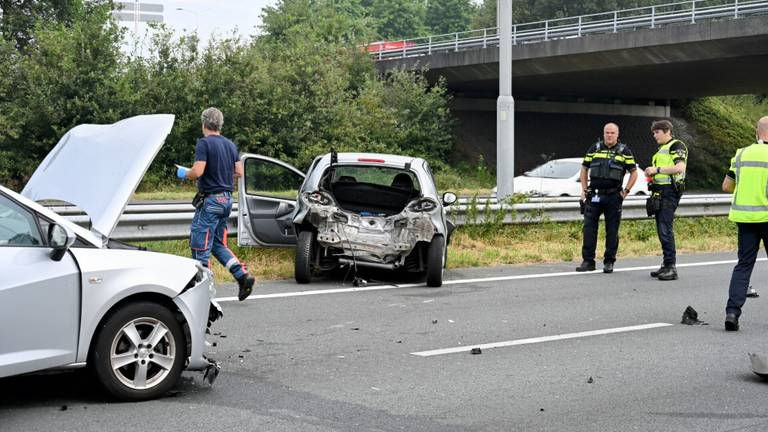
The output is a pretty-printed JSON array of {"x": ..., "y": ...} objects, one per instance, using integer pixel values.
[
  {"x": 143, "y": 222},
  {"x": 650, "y": 17}
]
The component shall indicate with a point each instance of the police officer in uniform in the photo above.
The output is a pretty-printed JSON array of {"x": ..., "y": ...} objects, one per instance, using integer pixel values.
[
  {"x": 747, "y": 179},
  {"x": 607, "y": 162},
  {"x": 667, "y": 172}
]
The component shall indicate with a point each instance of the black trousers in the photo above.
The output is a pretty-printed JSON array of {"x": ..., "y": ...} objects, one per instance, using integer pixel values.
[
  {"x": 610, "y": 206},
  {"x": 750, "y": 235},
  {"x": 665, "y": 219}
]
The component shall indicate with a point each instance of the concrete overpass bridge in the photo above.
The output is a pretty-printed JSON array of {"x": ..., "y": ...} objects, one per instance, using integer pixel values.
[
  {"x": 622, "y": 65},
  {"x": 680, "y": 50}
]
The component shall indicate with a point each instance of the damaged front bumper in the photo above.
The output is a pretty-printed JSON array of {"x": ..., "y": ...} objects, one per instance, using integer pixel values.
[
  {"x": 372, "y": 238},
  {"x": 200, "y": 309}
]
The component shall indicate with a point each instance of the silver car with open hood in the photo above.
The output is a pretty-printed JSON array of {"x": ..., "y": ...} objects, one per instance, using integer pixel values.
[{"x": 72, "y": 297}]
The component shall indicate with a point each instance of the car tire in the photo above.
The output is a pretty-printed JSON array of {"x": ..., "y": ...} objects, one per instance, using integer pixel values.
[
  {"x": 130, "y": 360},
  {"x": 435, "y": 261},
  {"x": 304, "y": 254}
]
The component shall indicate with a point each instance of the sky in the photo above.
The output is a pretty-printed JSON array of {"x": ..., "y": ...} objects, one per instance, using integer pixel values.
[{"x": 208, "y": 16}]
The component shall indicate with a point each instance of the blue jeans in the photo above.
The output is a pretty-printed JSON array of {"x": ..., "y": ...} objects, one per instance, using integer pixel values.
[
  {"x": 750, "y": 235},
  {"x": 209, "y": 234}
]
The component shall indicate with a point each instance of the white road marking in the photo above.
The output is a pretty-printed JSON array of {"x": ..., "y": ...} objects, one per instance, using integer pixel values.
[
  {"x": 463, "y": 281},
  {"x": 468, "y": 348}
]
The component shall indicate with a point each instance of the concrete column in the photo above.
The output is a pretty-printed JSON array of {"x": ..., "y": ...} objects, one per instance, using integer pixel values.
[{"x": 505, "y": 106}]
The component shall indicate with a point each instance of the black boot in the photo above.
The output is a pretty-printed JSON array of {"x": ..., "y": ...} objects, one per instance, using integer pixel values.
[
  {"x": 668, "y": 273},
  {"x": 608, "y": 267},
  {"x": 731, "y": 322},
  {"x": 586, "y": 266},
  {"x": 246, "y": 286},
  {"x": 655, "y": 273}
]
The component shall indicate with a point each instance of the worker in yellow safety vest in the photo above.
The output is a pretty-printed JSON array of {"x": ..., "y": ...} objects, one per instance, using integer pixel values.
[
  {"x": 747, "y": 180},
  {"x": 667, "y": 172}
]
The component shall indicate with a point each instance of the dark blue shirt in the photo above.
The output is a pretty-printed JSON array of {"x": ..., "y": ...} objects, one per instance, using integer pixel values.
[{"x": 219, "y": 155}]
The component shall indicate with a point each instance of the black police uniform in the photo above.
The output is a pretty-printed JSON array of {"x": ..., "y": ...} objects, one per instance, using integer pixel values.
[{"x": 607, "y": 167}]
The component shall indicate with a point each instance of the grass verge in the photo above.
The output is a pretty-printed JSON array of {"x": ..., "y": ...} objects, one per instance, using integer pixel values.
[{"x": 484, "y": 245}]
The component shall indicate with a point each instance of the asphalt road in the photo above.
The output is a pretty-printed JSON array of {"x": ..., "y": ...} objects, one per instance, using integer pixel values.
[{"x": 345, "y": 360}]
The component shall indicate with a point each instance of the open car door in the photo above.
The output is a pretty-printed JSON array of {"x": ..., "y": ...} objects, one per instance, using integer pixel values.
[{"x": 268, "y": 193}]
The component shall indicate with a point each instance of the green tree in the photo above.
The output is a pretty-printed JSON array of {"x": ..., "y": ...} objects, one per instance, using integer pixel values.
[
  {"x": 19, "y": 17},
  {"x": 398, "y": 19},
  {"x": 484, "y": 15},
  {"x": 525, "y": 11},
  {"x": 448, "y": 16},
  {"x": 67, "y": 77}
]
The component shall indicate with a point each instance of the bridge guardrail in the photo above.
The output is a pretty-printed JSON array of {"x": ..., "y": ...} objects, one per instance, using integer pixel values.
[
  {"x": 648, "y": 17},
  {"x": 144, "y": 222}
]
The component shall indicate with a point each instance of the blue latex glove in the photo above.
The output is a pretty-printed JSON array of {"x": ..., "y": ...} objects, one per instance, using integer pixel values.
[{"x": 181, "y": 172}]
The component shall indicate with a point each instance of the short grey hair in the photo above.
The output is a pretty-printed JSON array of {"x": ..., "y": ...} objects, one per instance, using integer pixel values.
[
  {"x": 212, "y": 118},
  {"x": 762, "y": 125}
]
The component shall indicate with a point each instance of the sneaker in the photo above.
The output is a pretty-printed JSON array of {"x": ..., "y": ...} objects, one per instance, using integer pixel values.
[
  {"x": 668, "y": 273},
  {"x": 752, "y": 293},
  {"x": 586, "y": 266},
  {"x": 246, "y": 286},
  {"x": 731, "y": 322},
  {"x": 608, "y": 267},
  {"x": 655, "y": 273}
]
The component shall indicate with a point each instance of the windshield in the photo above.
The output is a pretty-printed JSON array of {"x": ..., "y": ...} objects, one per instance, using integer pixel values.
[
  {"x": 383, "y": 176},
  {"x": 555, "y": 170}
]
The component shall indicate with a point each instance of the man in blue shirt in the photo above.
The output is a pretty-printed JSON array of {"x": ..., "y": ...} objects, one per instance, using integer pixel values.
[{"x": 217, "y": 164}]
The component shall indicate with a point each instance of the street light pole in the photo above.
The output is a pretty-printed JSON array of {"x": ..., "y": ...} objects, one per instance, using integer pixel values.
[{"x": 505, "y": 106}]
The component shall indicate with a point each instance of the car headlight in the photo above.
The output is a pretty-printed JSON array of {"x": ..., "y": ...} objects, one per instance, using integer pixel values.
[
  {"x": 423, "y": 205},
  {"x": 318, "y": 197}
]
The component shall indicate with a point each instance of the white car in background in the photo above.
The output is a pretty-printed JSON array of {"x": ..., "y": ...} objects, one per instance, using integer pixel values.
[
  {"x": 560, "y": 178},
  {"x": 72, "y": 297}
]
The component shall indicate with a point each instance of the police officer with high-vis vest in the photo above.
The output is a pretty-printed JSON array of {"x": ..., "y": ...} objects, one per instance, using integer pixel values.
[
  {"x": 607, "y": 162},
  {"x": 747, "y": 179},
  {"x": 667, "y": 172}
]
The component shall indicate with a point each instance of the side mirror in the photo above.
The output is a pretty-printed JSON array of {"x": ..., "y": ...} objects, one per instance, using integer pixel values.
[
  {"x": 449, "y": 198},
  {"x": 60, "y": 239}
]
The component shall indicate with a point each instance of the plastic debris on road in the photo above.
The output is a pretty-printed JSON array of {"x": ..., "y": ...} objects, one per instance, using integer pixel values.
[{"x": 691, "y": 317}]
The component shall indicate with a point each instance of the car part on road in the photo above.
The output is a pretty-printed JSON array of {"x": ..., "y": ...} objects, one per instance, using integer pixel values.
[
  {"x": 691, "y": 317},
  {"x": 759, "y": 365}
]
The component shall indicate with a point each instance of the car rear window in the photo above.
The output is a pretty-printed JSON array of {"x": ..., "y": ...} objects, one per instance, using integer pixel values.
[{"x": 383, "y": 176}]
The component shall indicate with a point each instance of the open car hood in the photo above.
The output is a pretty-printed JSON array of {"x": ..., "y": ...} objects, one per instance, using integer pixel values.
[{"x": 98, "y": 167}]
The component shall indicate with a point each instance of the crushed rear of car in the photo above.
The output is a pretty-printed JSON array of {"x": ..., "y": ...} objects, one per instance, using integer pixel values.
[{"x": 371, "y": 210}]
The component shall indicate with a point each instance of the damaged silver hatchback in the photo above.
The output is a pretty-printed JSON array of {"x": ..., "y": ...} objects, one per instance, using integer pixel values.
[
  {"x": 72, "y": 297},
  {"x": 356, "y": 209}
]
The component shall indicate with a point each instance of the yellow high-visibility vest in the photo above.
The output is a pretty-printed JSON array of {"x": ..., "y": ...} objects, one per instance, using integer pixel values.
[
  {"x": 663, "y": 158},
  {"x": 750, "y": 198}
]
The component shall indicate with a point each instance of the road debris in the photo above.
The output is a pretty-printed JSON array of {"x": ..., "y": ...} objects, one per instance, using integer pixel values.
[
  {"x": 759, "y": 365},
  {"x": 476, "y": 351},
  {"x": 590, "y": 380},
  {"x": 434, "y": 321},
  {"x": 691, "y": 317}
]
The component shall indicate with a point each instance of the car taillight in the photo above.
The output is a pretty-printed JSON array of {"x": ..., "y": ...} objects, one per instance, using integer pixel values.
[
  {"x": 422, "y": 205},
  {"x": 318, "y": 197}
]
